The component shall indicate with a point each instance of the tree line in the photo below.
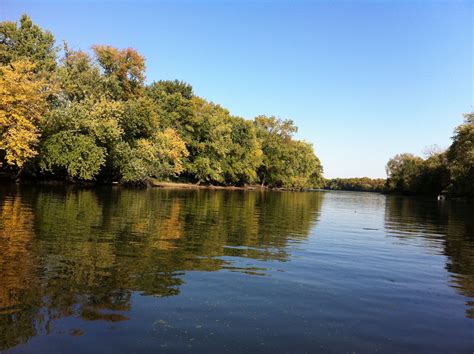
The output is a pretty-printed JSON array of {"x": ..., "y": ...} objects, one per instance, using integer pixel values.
[
  {"x": 72, "y": 115},
  {"x": 449, "y": 172},
  {"x": 363, "y": 184}
]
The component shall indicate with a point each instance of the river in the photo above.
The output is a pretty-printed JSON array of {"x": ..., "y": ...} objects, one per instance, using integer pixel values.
[{"x": 120, "y": 270}]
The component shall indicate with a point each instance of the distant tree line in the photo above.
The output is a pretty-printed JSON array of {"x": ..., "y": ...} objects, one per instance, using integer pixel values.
[
  {"x": 92, "y": 117},
  {"x": 363, "y": 184},
  {"x": 449, "y": 172}
]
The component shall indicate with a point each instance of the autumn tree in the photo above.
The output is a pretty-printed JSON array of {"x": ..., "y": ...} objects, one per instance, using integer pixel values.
[
  {"x": 23, "y": 104},
  {"x": 79, "y": 76},
  {"x": 161, "y": 156},
  {"x": 91, "y": 117},
  {"x": 124, "y": 70}
]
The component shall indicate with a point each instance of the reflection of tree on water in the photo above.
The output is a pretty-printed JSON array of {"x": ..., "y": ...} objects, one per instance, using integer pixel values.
[
  {"x": 78, "y": 252},
  {"x": 448, "y": 226},
  {"x": 18, "y": 272}
]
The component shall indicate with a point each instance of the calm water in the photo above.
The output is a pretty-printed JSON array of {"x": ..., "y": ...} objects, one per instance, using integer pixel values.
[{"x": 124, "y": 270}]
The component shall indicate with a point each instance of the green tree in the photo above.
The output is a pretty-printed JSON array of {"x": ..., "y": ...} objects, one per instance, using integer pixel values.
[
  {"x": 286, "y": 162},
  {"x": 140, "y": 119},
  {"x": 436, "y": 174},
  {"x": 363, "y": 184},
  {"x": 27, "y": 41},
  {"x": 75, "y": 154},
  {"x": 275, "y": 136},
  {"x": 304, "y": 168},
  {"x": 244, "y": 155},
  {"x": 209, "y": 143},
  {"x": 161, "y": 157},
  {"x": 404, "y": 172},
  {"x": 173, "y": 104},
  {"x": 461, "y": 157},
  {"x": 73, "y": 129}
]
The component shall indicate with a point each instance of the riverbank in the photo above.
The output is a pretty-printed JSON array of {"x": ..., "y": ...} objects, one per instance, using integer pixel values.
[
  {"x": 178, "y": 185},
  {"x": 149, "y": 183},
  {"x": 152, "y": 183}
]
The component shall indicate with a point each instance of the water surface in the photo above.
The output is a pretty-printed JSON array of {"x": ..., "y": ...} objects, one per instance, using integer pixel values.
[{"x": 126, "y": 270}]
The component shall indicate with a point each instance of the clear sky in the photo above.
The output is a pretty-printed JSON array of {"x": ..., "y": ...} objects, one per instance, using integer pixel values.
[{"x": 363, "y": 80}]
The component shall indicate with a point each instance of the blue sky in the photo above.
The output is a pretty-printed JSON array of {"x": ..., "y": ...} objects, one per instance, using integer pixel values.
[{"x": 363, "y": 80}]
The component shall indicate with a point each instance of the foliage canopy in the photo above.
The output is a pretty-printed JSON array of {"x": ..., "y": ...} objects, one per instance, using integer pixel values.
[{"x": 91, "y": 117}]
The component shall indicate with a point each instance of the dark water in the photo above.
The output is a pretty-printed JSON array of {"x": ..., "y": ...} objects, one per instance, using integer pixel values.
[{"x": 123, "y": 270}]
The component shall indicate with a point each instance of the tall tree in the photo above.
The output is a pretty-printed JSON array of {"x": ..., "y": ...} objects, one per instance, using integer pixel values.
[
  {"x": 275, "y": 136},
  {"x": 209, "y": 142},
  {"x": 404, "y": 173},
  {"x": 124, "y": 70},
  {"x": 79, "y": 77},
  {"x": 78, "y": 137},
  {"x": 286, "y": 162},
  {"x": 245, "y": 153},
  {"x": 303, "y": 167},
  {"x": 173, "y": 104},
  {"x": 140, "y": 119},
  {"x": 27, "y": 41},
  {"x": 104, "y": 124},
  {"x": 161, "y": 156},
  {"x": 461, "y": 157},
  {"x": 23, "y": 104}
]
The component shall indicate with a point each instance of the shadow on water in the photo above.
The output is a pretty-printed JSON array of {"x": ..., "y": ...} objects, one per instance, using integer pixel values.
[
  {"x": 67, "y": 251},
  {"x": 446, "y": 226}
]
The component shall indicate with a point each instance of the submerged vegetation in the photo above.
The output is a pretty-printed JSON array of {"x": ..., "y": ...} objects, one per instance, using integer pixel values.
[{"x": 92, "y": 117}]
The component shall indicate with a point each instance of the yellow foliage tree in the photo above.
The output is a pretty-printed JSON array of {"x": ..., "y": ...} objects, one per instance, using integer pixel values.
[
  {"x": 22, "y": 107},
  {"x": 173, "y": 149}
]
